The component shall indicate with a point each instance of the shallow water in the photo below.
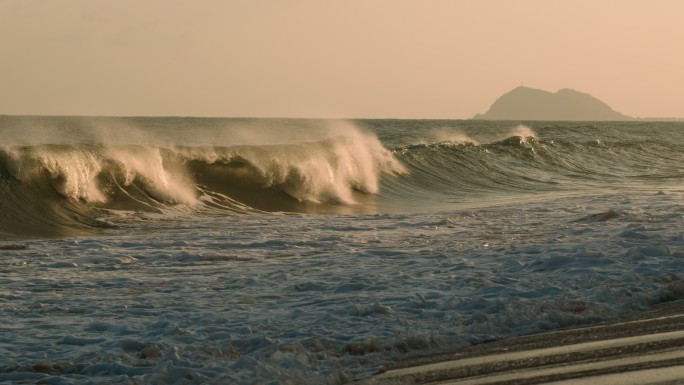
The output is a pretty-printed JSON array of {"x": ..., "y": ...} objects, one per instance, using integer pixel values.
[{"x": 172, "y": 293}]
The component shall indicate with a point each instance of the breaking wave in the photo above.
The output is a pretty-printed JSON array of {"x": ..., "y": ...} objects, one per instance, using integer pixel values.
[
  {"x": 520, "y": 164},
  {"x": 67, "y": 186}
]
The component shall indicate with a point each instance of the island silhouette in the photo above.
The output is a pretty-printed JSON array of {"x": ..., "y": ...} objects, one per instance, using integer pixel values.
[{"x": 524, "y": 103}]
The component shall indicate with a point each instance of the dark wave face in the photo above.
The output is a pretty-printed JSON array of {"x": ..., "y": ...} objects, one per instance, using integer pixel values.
[{"x": 68, "y": 176}]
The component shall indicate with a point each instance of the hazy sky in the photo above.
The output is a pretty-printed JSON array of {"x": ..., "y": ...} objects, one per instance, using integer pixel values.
[{"x": 318, "y": 58}]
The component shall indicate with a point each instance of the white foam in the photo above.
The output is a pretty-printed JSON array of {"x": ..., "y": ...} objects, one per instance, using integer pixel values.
[
  {"x": 524, "y": 132},
  {"x": 234, "y": 299},
  {"x": 167, "y": 182},
  {"x": 453, "y": 136},
  {"x": 326, "y": 170},
  {"x": 344, "y": 159}
]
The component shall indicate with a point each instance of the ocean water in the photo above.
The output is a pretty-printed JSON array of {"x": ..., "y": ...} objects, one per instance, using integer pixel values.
[{"x": 273, "y": 251}]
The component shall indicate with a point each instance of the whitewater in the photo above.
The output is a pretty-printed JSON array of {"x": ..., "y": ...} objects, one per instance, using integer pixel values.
[{"x": 290, "y": 251}]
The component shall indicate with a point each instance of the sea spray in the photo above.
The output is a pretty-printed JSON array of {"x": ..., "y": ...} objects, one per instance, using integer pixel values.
[
  {"x": 165, "y": 179},
  {"x": 333, "y": 170},
  {"x": 453, "y": 136},
  {"x": 524, "y": 132},
  {"x": 72, "y": 170},
  {"x": 86, "y": 172},
  {"x": 457, "y": 136},
  {"x": 328, "y": 170}
]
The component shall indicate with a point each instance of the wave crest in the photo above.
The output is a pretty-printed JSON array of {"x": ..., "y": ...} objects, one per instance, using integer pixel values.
[
  {"x": 324, "y": 171},
  {"x": 277, "y": 177},
  {"x": 89, "y": 173}
]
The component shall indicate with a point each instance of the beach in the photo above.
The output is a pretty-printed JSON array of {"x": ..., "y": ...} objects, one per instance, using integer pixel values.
[{"x": 642, "y": 349}]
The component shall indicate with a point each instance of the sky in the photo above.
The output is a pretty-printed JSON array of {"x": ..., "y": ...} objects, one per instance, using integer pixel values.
[{"x": 443, "y": 59}]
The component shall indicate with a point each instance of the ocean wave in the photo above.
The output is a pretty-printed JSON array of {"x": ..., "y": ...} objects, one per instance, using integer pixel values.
[
  {"x": 521, "y": 162},
  {"x": 85, "y": 179},
  {"x": 74, "y": 186}
]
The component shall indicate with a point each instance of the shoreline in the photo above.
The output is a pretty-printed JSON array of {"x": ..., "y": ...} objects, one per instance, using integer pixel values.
[{"x": 642, "y": 348}]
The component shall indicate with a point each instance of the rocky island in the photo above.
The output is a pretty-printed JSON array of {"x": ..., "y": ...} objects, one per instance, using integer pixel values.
[{"x": 523, "y": 103}]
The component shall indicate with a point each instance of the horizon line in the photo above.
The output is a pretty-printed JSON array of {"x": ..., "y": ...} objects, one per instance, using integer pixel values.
[{"x": 630, "y": 119}]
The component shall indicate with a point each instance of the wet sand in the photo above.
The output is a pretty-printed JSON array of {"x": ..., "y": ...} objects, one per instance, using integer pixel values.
[{"x": 644, "y": 349}]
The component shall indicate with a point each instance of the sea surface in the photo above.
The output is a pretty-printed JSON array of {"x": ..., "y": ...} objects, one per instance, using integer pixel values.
[{"x": 282, "y": 251}]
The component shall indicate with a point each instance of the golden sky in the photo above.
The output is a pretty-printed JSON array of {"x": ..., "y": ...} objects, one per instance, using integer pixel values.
[{"x": 320, "y": 58}]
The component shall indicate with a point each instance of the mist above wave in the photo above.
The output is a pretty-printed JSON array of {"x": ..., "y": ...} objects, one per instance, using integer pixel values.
[{"x": 326, "y": 170}]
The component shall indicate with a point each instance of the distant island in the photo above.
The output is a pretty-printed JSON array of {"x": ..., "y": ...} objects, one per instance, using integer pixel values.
[{"x": 523, "y": 103}]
